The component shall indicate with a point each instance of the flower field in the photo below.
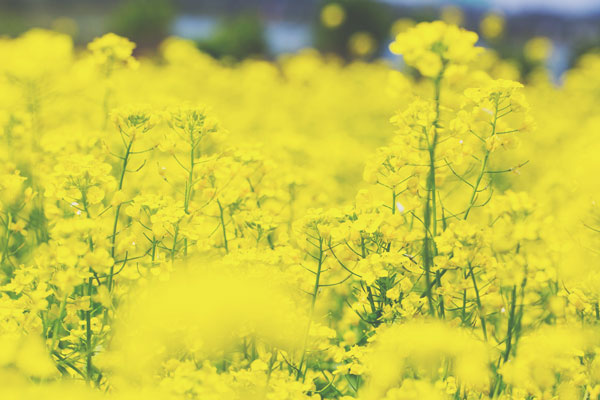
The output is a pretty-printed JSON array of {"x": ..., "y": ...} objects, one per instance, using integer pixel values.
[{"x": 173, "y": 227}]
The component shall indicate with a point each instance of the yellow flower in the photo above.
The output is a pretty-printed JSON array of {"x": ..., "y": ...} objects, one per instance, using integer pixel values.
[
  {"x": 492, "y": 26},
  {"x": 429, "y": 46},
  {"x": 133, "y": 121},
  {"x": 112, "y": 50},
  {"x": 332, "y": 15}
]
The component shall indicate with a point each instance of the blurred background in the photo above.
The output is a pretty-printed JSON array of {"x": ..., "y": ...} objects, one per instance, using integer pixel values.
[{"x": 530, "y": 32}]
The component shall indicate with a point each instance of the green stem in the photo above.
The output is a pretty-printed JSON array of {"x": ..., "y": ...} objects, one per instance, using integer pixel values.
[
  {"x": 186, "y": 201},
  {"x": 432, "y": 148},
  {"x": 427, "y": 258},
  {"x": 476, "y": 186},
  {"x": 117, "y": 211},
  {"x": 483, "y": 166},
  {"x": 5, "y": 253},
  {"x": 88, "y": 323},
  {"x": 189, "y": 190},
  {"x": 508, "y": 342},
  {"x": 441, "y": 298},
  {"x": 478, "y": 301},
  {"x": 57, "y": 323},
  {"x": 312, "y": 308},
  {"x": 430, "y": 212},
  {"x": 174, "y": 242},
  {"x": 519, "y": 317},
  {"x": 88, "y": 335},
  {"x": 511, "y": 322},
  {"x": 223, "y": 226},
  {"x": 464, "y": 307}
]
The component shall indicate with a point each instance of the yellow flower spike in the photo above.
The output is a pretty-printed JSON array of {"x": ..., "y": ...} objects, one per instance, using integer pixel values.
[
  {"x": 538, "y": 49},
  {"x": 134, "y": 120},
  {"x": 362, "y": 44},
  {"x": 332, "y": 15},
  {"x": 430, "y": 46},
  {"x": 112, "y": 51},
  {"x": 452, "y": 15},
  {"x": 492, "y": 26}
]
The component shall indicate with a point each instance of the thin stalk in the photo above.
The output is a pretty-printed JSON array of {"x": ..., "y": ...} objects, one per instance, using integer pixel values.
[
  {"x": 432, "y": 148},
  {"x": 223, "y": 226},
  {"x": 189, "y": 189},
  {"x": 511, "y": 323},
  {"x": 430, "y": 212},
  {"x": 6, "y": 251},
  {"x": 88, "y": 336},
  {"x": 88, "y": 323},
  {"x": 519, "y": 317},
  {"x": 312, "y": 308},
  {"x": 186, "y": 199},
  {"x": 441, "y": 297},
  {"x": 57, "y": 323},
  {"x": 427, "y": 258},
  {"x": 483, "y": 166},
  {"x": 478, "y": 301},
  {"x": 174, "y": 242},
  {"x": 117, "y": 211}
]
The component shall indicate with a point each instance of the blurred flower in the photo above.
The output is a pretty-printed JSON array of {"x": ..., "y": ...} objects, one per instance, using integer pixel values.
[{"x": 333, "y": 15}]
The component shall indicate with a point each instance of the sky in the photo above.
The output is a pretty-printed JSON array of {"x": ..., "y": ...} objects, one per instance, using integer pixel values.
[{"x": 511, "y": 6}]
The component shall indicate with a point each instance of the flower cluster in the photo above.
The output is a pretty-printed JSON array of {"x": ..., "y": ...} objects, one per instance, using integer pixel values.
[{"x": 154, "y": 247}]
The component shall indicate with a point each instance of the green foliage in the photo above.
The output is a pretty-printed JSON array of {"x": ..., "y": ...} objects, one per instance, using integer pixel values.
[
  {"x": 360, "y": 16},
  {"x": 11, "y": 24},
  {"x": 145, "y": 21},
  {"x": 238, "y": 38}
]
